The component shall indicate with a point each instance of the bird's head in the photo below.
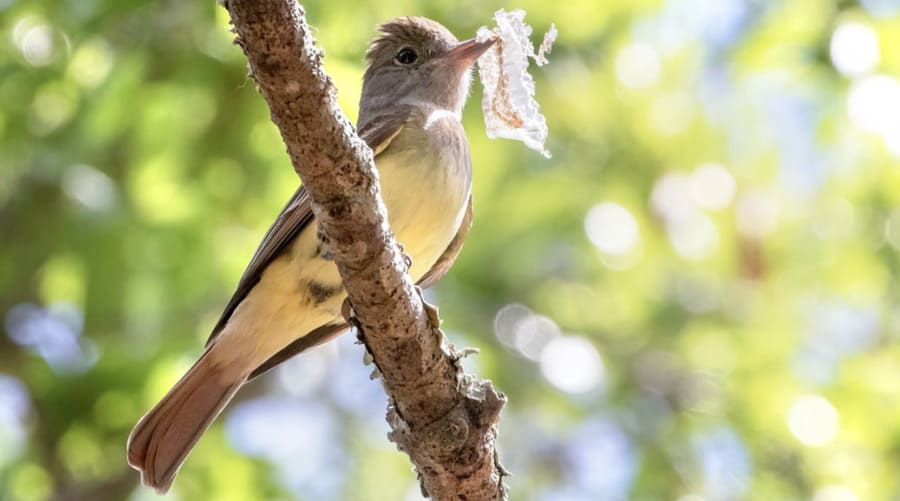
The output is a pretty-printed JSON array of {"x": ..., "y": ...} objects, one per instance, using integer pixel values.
[{"x": 418, "y": 61}]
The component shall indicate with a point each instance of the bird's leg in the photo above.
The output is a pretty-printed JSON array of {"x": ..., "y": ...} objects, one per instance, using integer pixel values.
[{"x": 350, "y": 317}]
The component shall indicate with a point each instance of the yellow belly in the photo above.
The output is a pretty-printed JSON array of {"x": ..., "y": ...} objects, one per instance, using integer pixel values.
[{"x": 425, "y": 208}]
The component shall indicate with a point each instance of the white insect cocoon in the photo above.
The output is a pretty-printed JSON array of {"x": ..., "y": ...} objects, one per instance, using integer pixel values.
[{"x": 510, "y": 110}]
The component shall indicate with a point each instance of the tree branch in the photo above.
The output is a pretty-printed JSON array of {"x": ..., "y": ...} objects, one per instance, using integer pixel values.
[{"x": 445, "y": 420}]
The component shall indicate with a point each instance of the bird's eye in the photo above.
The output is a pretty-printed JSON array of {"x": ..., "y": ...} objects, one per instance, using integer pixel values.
[{"x": 407, "y": 56}]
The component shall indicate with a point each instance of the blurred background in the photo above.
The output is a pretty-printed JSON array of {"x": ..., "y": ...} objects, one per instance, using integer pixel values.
[{"x": 695, "y": 299}]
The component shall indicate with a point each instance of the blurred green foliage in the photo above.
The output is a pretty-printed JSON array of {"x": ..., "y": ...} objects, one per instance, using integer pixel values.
[{"x": 695, "y": 299}]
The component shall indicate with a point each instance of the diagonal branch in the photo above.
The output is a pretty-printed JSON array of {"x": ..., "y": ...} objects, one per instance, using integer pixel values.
[{"x": 445, "y": 420}]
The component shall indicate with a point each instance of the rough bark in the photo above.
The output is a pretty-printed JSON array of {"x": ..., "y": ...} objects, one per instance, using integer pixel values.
[{"x": 445, "y": 420}]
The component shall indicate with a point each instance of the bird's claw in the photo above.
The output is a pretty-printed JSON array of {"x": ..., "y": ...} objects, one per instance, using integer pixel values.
[{"x": 407, "y": 259}]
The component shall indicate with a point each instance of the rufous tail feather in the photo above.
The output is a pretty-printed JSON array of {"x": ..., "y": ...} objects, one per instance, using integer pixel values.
[{"x": 164, "y": 437}]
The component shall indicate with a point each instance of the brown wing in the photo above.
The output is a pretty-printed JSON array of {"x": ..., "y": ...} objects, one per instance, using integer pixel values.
[
  {"x": 382, "y": 129},
  {"x": 293, "y": 218}
]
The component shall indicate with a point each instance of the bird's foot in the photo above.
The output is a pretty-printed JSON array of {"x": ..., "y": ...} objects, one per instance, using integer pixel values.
[{"x": 407, "y": 259}]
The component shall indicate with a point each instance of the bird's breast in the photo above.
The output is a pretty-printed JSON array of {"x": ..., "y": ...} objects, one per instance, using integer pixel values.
[{"x": 425, "y": 182}]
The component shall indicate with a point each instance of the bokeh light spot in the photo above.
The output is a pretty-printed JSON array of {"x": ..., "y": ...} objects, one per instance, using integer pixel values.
[
  {"x": 35, "y": 40},
  {"x": 601, "y": 460},
  {"x": 813, "y": 420},
  {"x": 506, "y": 322},
  {"x": 712, "y": 186},
  {"x": 53, "y": 106},
  {"x": 572, "y": 364},
  {"x": 91, "y": 63},
  {"x": 523, "y": 331},
  {"x": 693, "y": 236},
  {"x": 873, "y": 104},
  {"x": 612, "y": 229},
  {"x": 14, "y": 408},
  {"x": 53, "y": 333},
  {"x": 854, "y": 48},
  {"x": 532, "y": 335},
  {"x": 757, "y": 214},
  {"x": 724, "y": 463},
  {"x": 671, "y": 196},
  {"x": 89, "y": 187},
  {"x": 638, "y": 66}
]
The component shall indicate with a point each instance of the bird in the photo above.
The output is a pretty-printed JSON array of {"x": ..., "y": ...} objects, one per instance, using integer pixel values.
[{"x": 289, "y": 298}]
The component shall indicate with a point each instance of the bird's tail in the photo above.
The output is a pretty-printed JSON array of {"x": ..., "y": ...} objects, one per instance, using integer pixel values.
[{"x": 164, "y": 437}]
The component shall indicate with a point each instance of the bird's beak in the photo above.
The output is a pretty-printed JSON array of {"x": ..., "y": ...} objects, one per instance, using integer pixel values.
[{"x": 466, "y": 53}]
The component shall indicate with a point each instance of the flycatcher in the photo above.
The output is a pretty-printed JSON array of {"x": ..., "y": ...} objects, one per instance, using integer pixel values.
[{"x": 289, "y": 297}]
